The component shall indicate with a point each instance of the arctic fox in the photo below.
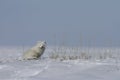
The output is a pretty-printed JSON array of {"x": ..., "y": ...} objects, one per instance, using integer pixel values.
[{"x": 36, "y": 51}]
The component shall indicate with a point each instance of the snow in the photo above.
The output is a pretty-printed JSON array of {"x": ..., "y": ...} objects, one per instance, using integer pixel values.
[{"x": 12, "y": 67}]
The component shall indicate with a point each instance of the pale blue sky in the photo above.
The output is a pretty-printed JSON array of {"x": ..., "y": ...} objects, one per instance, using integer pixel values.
[{"x": 69, "y": 22}]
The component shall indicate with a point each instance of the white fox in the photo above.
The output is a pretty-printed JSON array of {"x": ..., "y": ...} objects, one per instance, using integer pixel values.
[{"x": 35, "y": 52}]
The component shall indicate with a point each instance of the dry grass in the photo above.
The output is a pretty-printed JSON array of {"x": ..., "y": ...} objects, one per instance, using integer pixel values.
[{"x": 66, "y": 53}]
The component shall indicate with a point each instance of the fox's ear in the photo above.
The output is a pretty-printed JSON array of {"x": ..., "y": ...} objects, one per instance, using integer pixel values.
[{"x": 43, "y": 42}]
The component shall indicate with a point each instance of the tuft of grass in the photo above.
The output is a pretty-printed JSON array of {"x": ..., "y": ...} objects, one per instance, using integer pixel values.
[{"x": 67, "y": 53}]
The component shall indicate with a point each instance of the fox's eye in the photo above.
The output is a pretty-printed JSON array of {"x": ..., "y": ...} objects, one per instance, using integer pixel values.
[{"x": 42, "y": 47}]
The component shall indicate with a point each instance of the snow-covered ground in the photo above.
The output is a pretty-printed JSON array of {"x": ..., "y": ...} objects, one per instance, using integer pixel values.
[{"x": 12, "y": 67}]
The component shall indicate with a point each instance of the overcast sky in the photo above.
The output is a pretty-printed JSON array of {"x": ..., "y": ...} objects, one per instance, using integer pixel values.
[{"x": 60, "y": 22}]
